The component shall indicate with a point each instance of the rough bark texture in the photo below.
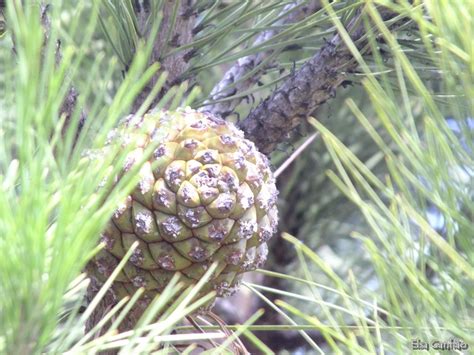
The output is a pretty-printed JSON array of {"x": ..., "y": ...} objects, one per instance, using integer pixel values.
[
  {"x": 311, "y": 86},
  {"x": 232, "y": 82},
  {"x": 182, "y": 33}
]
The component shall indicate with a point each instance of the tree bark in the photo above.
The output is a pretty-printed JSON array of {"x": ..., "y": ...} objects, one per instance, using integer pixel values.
[
  {"x": 181, "y": 33},
  {"x": 233, "y": 81},
  {"x": 303, "y": 92}
]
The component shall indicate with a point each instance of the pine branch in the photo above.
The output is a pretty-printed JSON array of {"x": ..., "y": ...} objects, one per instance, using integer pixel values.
[
  {"x": 233, "y": 82},
  {"x": 307, "y": 89},
  {"x": 175, "y": 31}
]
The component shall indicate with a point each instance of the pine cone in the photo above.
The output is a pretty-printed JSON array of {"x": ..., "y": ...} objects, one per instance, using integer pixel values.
[{"x": 205, "y": 195}]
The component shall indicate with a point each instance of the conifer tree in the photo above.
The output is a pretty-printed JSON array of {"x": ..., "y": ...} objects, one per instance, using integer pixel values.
[{"x": 364, "y": 110}]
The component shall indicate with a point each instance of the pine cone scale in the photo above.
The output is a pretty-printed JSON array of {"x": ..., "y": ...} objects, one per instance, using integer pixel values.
[{"x": 205, "y": 195}]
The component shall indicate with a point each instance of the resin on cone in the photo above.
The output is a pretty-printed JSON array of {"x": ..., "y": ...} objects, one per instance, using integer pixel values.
[{"x": 205, "y": 195}]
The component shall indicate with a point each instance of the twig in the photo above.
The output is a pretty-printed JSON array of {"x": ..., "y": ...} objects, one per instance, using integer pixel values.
[
  {"x": 304, "y": 91},
  {"x": 199, "y": 328},
  {"x": 233, "y": 82},
  {"x": 237, "y": 343},
  {"x": 295, "y": 154}
]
